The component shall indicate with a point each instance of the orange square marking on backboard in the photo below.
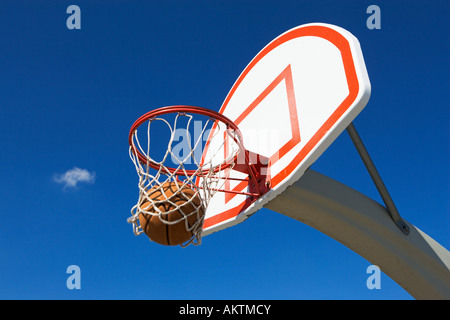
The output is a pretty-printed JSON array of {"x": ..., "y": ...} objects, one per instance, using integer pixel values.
[{"x": 285, "y": 75}]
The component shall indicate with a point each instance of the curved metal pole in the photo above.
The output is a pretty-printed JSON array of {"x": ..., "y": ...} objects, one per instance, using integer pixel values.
[{"x": 417, "y": 262}]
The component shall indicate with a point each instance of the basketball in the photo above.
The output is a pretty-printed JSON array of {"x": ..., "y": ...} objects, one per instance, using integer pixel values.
[{"x": 173, "y": 202}]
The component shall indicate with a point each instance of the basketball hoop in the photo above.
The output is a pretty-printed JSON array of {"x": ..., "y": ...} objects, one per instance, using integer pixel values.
[{"x": 202, "y": 168}]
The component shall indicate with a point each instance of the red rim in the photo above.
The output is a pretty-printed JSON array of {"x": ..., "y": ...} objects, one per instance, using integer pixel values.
[{"x": 183, "y": 109}]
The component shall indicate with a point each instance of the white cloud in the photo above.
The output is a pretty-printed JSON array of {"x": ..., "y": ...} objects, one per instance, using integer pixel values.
[{"x": 72, "y": 177}]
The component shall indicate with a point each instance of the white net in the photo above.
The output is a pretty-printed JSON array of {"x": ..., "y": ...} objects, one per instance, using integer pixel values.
[{"x": 188, "y": 151}]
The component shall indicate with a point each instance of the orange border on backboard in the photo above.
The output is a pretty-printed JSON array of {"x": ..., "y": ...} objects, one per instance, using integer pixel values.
[{"x": 343, "y": 45}]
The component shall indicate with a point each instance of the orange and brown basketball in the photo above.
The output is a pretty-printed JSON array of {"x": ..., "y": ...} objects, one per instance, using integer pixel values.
[{"x": 171, "y": 197}]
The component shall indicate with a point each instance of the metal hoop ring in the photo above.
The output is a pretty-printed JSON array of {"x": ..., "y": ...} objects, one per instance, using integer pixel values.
[{"x": 185, "y": 109}]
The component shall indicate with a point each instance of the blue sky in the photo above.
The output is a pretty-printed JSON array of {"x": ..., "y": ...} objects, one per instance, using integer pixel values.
[{"x": 69, "y": 97}]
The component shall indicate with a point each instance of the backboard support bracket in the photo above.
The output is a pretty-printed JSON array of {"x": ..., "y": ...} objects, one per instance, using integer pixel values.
[
  {"x": 376, "y": 178},
  {"x": 257, "y": 168}
]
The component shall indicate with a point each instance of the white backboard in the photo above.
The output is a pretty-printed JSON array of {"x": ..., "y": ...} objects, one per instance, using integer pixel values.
[{"x": 290, "y": 103}]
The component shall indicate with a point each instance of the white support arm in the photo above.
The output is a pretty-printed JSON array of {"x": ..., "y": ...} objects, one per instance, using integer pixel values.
[{"x": 416, "y": 262}]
